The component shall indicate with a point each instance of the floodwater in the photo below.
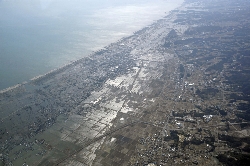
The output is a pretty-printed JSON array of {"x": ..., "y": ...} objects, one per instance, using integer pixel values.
[{"x": 37, "y": 36}]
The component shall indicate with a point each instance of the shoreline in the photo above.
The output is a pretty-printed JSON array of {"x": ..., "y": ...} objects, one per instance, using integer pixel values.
[
  {"x": 174, "y": 75},
  {"x": 65, "y": 66}
]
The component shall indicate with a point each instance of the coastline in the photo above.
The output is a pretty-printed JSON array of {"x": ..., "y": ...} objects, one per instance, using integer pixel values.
[
  {"x": 78, "y": 44},
  {"x": 60, "y": 102},
  {"x": 171, "y": 94},
  {"x": 64, "y": 67}
]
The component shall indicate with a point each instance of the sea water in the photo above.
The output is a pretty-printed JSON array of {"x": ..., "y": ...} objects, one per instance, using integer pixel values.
[{"x": 37, "y": 36}]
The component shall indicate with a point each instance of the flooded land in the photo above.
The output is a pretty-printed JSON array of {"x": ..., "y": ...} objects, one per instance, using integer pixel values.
[{"x": 176, "y": 92}]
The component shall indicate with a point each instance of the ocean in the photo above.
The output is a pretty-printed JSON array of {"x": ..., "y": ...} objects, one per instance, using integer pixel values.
[{"x": 37, "y": 36}]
